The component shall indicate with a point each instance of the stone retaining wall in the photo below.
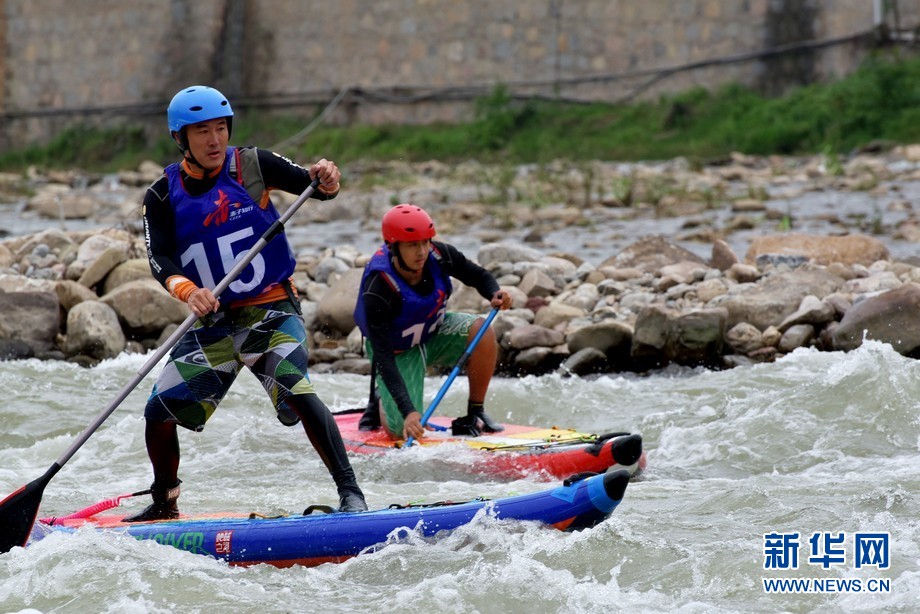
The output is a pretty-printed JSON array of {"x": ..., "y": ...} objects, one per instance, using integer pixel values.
[{"x": 68, "y": 60}]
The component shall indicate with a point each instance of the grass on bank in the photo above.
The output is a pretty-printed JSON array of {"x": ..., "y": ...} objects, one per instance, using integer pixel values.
[{"x": 878, "y": 102}]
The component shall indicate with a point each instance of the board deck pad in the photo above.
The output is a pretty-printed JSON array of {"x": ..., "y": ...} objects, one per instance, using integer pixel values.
[{"x": 517, "y": 451}]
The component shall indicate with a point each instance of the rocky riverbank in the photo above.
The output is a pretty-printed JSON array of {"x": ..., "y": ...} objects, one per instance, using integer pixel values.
[{"x": 86, "y": 295}]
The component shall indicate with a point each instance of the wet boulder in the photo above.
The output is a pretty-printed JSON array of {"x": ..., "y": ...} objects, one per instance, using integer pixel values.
[{"x": 891, "y": 317}]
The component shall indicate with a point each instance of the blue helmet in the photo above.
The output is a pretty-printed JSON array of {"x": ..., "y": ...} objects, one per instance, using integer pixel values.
[{"x": 197, "y": 103}]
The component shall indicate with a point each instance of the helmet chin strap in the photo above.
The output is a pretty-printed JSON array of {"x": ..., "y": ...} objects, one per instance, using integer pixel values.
[
  {"x": 182, "y": 144},
  {"x": 191, "y": 159},
  {"x": 399, "y": 260}
]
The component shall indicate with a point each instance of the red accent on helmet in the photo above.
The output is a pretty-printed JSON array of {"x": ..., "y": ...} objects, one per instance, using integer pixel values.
[{"x": 407, "y": 223}]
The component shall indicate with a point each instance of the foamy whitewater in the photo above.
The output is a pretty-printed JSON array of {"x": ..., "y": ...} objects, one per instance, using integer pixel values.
[{"x": 819, "y": 443}]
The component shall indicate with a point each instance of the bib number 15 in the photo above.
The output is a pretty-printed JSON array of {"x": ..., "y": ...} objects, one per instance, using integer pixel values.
[{"x": 196, "y": 255}]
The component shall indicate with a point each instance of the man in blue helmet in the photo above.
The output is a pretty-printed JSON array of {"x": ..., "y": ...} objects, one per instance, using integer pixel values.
[{"x": 199, "y": 217}]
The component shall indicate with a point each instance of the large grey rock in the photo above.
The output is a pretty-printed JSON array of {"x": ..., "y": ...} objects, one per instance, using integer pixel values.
[
  {"x": 650, "y": 337},
  {"x": 97, "y": 270},
  {"x": 93, "y": 329},
  {"x": 744, "y": 338},
  {"x": 31, "y": 311},
  {"x": 144, "y": 307},
  {"x": 57, "y": 241},
  {"x": 697, "y": 337},
  {"x": 723, "y": 257},
  {"x": 650, "y": 254},
  {"x": 584, "y": 296},
  {"x": 535, "y": 360},
  {"x": 335, "y": 311},
  {"x": 812, "y": 310},
  {"x": 71, "y": 293},
  {"x": 91, "y": 249},
  {"x": 797, "y": 336},
  {"x": 891, "y": 317},
  {"x": 775, "y": 297},
  {"x": 537, "y": 283},
  {"x": 882, "y": 280},
  {"x": 585, "y": 362},
  {"x": 684, "y": 272},
  {"x": 557, "y": 313},
  {"x": 608, "y": 336},
  {"x": 847, "y": 249},
  {"x": 15, "y": 349},
  {"x": 327, "y": 268},
  {"x": 531, "y": 335},
  {"x": 6, "y": 256},
  {"x": 467, "y": 299},
  {"x": 358, "y": 366},
  {"x": 665, "y": 335},
  {"x": 129, "y": 270},
  {"x": 612, "y": 337},
  {"x": 507, "y": 251}
]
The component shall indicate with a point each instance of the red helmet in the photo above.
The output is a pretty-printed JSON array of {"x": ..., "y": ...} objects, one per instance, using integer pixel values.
[{"x": 407, "y": 223}]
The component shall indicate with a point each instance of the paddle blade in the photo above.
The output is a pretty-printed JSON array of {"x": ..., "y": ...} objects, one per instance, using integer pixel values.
[{"x": 18, "y": 512}]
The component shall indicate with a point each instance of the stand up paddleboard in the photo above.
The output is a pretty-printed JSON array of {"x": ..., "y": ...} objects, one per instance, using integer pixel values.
[{"x": 579, "y": 503}]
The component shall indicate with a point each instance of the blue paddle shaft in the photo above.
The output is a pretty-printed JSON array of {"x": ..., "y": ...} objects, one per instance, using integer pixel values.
[{"x": 453, "y": 373}]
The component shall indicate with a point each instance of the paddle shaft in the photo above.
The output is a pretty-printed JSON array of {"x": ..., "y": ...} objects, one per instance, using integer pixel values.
[
  {"x": 453, "y": 373},
  {"x": 19, "y": 509}
]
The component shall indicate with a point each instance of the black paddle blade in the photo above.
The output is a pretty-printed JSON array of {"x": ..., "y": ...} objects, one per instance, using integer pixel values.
[{"x": 19, "y": 510}]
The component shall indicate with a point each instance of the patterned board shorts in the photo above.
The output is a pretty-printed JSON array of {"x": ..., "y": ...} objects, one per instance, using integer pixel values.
[
  {"x": 268, "y": 339},
  {"x": 442, "y": 350}
]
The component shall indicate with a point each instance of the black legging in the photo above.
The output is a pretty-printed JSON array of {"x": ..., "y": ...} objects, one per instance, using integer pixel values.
[
  {"x": 318, "y": 423},
  {"x": 163, "y": 450},
  {"x": 324, "y": 434}
]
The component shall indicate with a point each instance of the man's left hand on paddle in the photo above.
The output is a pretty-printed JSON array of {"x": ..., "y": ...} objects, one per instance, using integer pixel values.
[
  {"x": 412, "y": 426},
  {"x": 328, "y": 174},
  {"x": 202, "y": 301},
  {"x": 501, "y": 299}
]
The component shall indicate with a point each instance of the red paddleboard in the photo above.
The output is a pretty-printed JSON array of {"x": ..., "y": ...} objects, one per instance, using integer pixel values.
[{"x": 517, "y": 451}]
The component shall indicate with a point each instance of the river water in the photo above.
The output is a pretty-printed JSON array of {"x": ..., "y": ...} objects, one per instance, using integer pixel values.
[{"x": 816, "y": 443}]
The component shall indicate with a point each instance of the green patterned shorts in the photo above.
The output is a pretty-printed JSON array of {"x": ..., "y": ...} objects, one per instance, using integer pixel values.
[{"x": 268, "y": 339}]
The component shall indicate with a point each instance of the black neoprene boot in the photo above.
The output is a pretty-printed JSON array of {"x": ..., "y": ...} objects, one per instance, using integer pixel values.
[
  {"x": 467, "y": 425},
  {"x": 352, "y": 501},
  {"x": 476, "y": 411},
  {"x": 370, "y": 419},
  {"x": 164, "y": 505}
]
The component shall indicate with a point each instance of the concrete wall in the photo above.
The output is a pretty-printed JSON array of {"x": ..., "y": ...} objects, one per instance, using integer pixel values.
[{"x": 101, "y": 61}]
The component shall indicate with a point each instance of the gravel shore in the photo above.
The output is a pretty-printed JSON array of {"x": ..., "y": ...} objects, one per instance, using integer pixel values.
[{"x": 613, "y": 266}]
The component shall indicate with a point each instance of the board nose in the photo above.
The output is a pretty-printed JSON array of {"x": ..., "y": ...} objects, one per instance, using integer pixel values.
[{"x": 627, "y": 450}]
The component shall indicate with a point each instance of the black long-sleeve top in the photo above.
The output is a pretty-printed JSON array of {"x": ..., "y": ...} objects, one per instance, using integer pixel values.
[{"x": 383, "y": 304}]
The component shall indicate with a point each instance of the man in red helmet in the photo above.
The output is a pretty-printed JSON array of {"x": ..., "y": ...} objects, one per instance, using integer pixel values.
[{"x": 402, "y": 311}]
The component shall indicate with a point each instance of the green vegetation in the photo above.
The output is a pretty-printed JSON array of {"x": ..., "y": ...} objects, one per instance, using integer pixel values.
[
  {"x": 84, "y": 147},
  {"x": 880, "y": 101}
]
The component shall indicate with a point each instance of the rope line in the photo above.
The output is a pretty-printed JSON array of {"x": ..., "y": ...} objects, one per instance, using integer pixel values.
[{"x": 296, "y": 138}]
